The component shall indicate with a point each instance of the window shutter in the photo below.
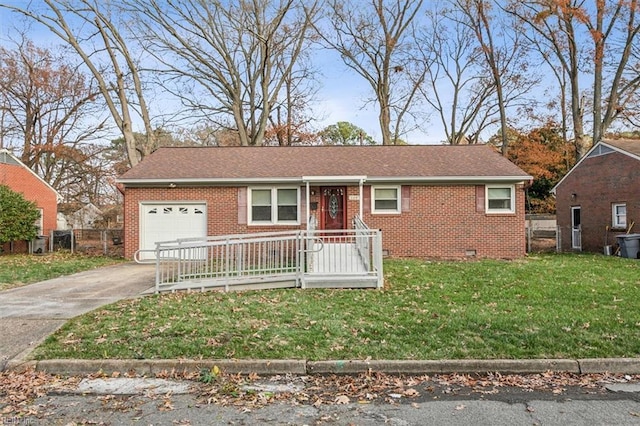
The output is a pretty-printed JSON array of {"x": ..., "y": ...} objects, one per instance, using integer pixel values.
[
  {"x": 242, "y": 206},
  {"x": 406, "y": 198},
  {"x": 480, "y": 198},
  {"x": 366, "y": 202}
]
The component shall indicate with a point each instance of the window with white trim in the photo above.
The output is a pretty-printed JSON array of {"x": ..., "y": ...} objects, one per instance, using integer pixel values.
[
  {"x": 385, "y": 199},
  {"x": 500, "y": 199},
  {"x": 268, "y": 206},
  {"x": 619, "y": 215}
]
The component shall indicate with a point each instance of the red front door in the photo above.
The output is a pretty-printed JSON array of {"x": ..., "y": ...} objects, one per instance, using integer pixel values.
[{"x": 332, "y": 205}]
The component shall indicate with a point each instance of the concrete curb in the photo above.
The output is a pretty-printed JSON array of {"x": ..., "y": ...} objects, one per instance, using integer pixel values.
[
  {"x": 610, "y": 365},
  {"x": 70, "y": 367},
  {"x": 506, "y": 366}
]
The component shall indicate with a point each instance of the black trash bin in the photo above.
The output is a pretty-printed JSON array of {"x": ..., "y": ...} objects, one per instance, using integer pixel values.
[{"x": 629, "y": 245}]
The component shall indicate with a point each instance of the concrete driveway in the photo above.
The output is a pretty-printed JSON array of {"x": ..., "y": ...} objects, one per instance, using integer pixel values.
[{"x": 29, "y": 314}]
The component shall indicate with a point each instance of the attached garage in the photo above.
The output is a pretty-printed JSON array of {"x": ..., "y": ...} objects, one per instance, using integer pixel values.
[{"x": 168, "y": 222}]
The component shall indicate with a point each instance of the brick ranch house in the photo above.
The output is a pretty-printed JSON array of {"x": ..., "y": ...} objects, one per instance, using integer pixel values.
[
  {"x": 441, "y": 201},
  {"x": 20, "y": 178},
  {"x": 599, "y": 197}
]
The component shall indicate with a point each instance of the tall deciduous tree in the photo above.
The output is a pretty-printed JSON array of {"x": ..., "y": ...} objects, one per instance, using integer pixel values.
[
  {"x": 460, "y": 89},
  {"x": 502, "y": 53},
  {"x": 377, "y": 41},
  {"x": 227, "y": 60},
  {"x": 593, "y": 39},
  {"x": 93, "y": 33},
  {"x": 51, "y": 116}
]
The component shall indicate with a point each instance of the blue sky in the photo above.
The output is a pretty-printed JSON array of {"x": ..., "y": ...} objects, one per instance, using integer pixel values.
[{"x": 341, "y": 95}]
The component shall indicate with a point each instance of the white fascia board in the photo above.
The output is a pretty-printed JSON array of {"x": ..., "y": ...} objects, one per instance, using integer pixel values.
[
  {"x": 205, "y": 182},
  {"x": 326, "y": 179},
  {"x": 333, "y": 179},
  {"x": 451, "y": 179}
]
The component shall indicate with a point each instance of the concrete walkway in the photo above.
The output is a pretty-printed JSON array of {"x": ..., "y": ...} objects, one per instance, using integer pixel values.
[{"x": 30, "y": 313}]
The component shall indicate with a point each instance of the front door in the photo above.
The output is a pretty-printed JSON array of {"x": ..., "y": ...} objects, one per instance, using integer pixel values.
[
  {"x": 576, "y": 229},
  {"x": 332, "y": 207}
]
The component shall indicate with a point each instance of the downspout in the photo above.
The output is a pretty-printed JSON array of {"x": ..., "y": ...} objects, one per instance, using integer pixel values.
[
  {"x": 308, "y": 211},
  {"x": 361, "y": 188}
]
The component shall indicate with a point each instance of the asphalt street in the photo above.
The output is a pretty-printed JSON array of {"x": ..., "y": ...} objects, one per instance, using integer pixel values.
[{"x": 437, "y": 405}]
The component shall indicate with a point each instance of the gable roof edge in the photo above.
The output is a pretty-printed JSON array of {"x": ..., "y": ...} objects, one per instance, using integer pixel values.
[
  {"x": 620, "y": 150},
  {"x": 613, "y": 147},
  {"x": 20, "y": 163}
]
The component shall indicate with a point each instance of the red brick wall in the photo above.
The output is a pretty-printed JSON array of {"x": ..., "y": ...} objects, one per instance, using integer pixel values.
[
  {"x": 599, "y": 182},
  {"x": 442, "y": 221},
  {"x": 23, "y": 181}
]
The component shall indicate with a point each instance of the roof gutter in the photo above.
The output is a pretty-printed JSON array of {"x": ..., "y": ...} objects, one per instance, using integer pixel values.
[{"x": 325, "y": 179}]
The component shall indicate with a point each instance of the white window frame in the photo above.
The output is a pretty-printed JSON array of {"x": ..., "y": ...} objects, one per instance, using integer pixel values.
[
  {"x": 512, "y": 207},
  {"x": 398, "y": 208},
  {"x": 274, "y": 206},
  {"x": 615, "y": 222}
]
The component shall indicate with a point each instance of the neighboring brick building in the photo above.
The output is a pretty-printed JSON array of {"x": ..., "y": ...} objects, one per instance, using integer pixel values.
[
  {"x": 20, "y": 178},
  {"x": 429, "y": 201},
  {"x": 600, "y": 196}
]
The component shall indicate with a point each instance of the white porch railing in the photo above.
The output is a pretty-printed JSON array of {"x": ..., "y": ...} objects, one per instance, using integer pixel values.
[{"x": 342, "y": 258}]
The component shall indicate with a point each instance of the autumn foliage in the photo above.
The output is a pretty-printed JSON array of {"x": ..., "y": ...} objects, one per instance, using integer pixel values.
[{"x": 542, "y": 154}]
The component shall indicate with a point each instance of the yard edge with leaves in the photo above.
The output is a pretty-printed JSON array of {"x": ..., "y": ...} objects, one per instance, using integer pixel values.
[{"x": 545, "y": 306}]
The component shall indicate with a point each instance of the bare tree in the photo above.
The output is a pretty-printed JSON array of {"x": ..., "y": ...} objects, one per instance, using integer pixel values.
[
  {"x": 290, "y": 118},
  {"x": 227, "y": 60},
  {"x": 460, "y": 90},
  {"x": 92, "y": 32},
  {"x": 377, "y": 41},
  {"x": 50, "y": 109},
  {"x": 503, "y": 56},
  {"x": 596, "y": 39}
]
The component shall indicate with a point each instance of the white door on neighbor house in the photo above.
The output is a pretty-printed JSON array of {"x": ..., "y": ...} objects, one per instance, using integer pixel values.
[
  {"x": 576, "y": 229},
  {"x": 168, "y": 222}
]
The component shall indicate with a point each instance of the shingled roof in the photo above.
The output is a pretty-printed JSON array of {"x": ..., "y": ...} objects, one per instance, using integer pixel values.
[
  {"x": 631, "y": 146},
  {"x": 374, "y": 163}
]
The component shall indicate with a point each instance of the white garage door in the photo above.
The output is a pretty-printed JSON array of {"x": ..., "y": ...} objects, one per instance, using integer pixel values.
[{"x": 168, "y": 222}]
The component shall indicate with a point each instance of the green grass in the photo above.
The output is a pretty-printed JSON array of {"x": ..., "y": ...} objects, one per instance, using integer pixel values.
[
  {"x": 21, "y": 269},
  {"x": 545, "y": 306}
]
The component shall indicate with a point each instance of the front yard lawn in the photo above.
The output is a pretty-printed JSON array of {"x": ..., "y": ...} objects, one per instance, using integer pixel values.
[
  {"x": 544, "y": 306},
  {"x": 21, "y": 269}
]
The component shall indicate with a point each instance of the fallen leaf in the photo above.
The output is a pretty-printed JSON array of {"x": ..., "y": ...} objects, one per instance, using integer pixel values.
[
  {"x": 411, "y": 393},
  {"x": 342, "y": 399}
]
